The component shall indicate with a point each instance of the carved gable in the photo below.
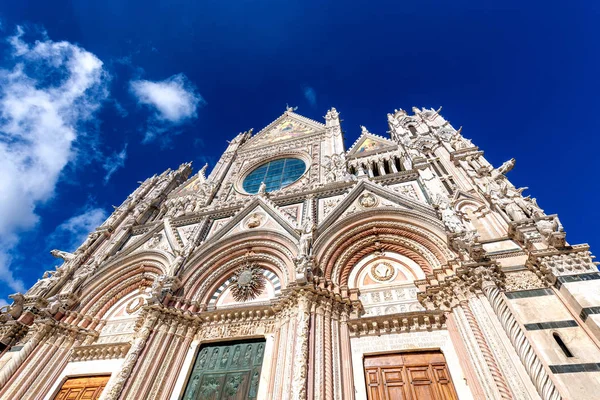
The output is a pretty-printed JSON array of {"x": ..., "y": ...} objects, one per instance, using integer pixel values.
[
  {"x": 368, "y": 144},
  {"x": 287, "y": 127},
  {"x": 366, "y": 196},
  {"x": 260, "y": 214}
]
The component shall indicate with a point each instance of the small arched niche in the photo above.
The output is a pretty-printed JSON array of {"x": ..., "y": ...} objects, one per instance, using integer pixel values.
[{"x": 386, "y": 283}]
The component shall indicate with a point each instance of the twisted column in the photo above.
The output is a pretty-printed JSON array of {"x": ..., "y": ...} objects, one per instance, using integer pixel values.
[
  {"x": 117, "y": 380},
  {"x": 15, "y": 362},
  {"x": 529, "y": 358},
  {"x": 486, "y": 351},
  {"x": 301, "y": 349}
]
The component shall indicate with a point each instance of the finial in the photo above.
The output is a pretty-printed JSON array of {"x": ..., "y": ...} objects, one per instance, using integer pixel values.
[
  {"x": 290, "y": 109},
  {"x": 364, "y": 129}
]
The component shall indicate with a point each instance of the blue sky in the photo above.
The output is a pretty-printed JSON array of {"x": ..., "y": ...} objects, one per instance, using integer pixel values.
[{"x": 95, "y": 97}]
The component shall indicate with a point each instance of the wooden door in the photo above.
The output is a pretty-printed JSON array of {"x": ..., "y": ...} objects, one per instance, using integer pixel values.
[
  {"x": 228, "y": 371},
  {"x": 83, "y": 388},
  {"x": 408, "y": 376}
]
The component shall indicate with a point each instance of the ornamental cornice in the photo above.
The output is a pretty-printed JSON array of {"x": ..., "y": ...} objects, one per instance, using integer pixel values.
[
  {"x": 398, "y": 177},
  {"x": 548, "y": 264},
  {"x": 506, "y": 254},
  {"x": 106, "y": 351},
  {"x": 12, "y": 331},
  {"x": 446, "y": 292},
  {"x": 397, "y": 323},
  {"x": 458, "y": 154}
]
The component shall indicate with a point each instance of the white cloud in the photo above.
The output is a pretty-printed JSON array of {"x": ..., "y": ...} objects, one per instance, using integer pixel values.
[
  {"x": 310, "y": 95},
  {"x": 114, "y": 162},
  {"x": 47, "y": 94},
  {"x": 72, "y": 232},
  {"x": 173, "y": 101}
]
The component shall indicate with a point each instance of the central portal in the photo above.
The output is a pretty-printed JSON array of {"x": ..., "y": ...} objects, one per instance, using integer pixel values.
[{"x": 226, "y": 371}]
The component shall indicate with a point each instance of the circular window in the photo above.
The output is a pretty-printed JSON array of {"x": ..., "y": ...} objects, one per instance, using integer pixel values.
[{"x": 275, "y": 174}]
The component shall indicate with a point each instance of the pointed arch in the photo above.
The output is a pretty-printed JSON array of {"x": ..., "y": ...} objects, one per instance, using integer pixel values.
[
  {"x": 414, "y": 235},
  {"x": 210, "y": 268},
  {"x": 118, "y": 279}
]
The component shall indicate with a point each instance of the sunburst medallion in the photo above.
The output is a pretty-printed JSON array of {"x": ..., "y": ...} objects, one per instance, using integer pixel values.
[{"x": 248, "y": 283}]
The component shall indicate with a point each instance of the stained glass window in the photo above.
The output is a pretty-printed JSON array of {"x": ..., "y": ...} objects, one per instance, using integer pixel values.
[{"x": 275, "y": 174}]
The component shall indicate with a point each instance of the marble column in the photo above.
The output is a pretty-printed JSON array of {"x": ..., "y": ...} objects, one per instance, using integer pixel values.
[
  {"x": 117, "y": 380},
  {"x": 301, "y": 348},
  {"x": 15, "y": 362}
]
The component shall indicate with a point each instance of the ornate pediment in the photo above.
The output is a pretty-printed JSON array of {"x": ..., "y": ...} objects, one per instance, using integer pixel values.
[
  {"x": 259, "y": 214},
  {"x": 366, "y": 196},
  {"x": 162, "y": 237},
  {"x": 287, "y": 127},
  {"x": 369, "y": 143}
]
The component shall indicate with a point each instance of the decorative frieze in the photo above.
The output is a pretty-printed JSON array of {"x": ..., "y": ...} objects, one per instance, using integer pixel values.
[
  {"x": 523, "y": 280},
  {"x": 549, "y": 264},
  {"x": 106, "y": 351},
  {"x": 397, "y": 323}
]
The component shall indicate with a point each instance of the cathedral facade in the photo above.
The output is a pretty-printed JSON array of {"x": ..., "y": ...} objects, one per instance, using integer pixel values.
[{"x": 402, "y": 267}]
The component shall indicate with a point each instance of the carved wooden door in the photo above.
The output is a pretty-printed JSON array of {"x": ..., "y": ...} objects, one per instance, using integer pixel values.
[
  {"x": 409, "y": 376},
  {"x": 84, "y": 388},
  {"x": 226, "y": 371}
]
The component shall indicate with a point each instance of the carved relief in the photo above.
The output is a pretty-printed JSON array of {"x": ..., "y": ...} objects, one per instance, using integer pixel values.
[
  {"x": 368, "y": 200},
  {"x": 254, "y": 220},
  {"x": 523, "y": 280}
]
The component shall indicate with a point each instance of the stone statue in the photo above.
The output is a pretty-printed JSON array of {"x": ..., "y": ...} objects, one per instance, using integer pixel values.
[
  {"x": 43, "y": 286},
  {"x": 54, "y": 305},
  {"x": 63, "y": 255},
  {"x": 79, "y": 278},
  {"x": 306, "y": 238},
  {"x": 449, "y": 216},
  {"x": 514, "y": 204},
  {"x": 332, "y": 114},
  {"x": 88, "y": 242},
  {"x": 14, "y": 311},
  {"x": 459, "y": 142},
  {"x": 506, "y": 167},
  {"x": 179, "y": 259},
  {"x": 549, "y": 225},
  {"x": 262, "y": 189},
  {"x": 335, "y": 169}
]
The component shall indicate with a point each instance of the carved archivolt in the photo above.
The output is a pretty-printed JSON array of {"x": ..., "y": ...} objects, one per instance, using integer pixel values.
[
  {"x": 417, "y": 243},
  {"x": 97, "y": 296},
  {"x": 216, "y": 277},
  {"x": 276, "y": 244},
  {"x": 368, "y": 245},
  {"x": 111, "y": 297},
  {"x": 104, "y": 278}
]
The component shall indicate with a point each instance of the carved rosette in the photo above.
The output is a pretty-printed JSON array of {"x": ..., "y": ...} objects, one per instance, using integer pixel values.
[{"x": 248, "y": 283}]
